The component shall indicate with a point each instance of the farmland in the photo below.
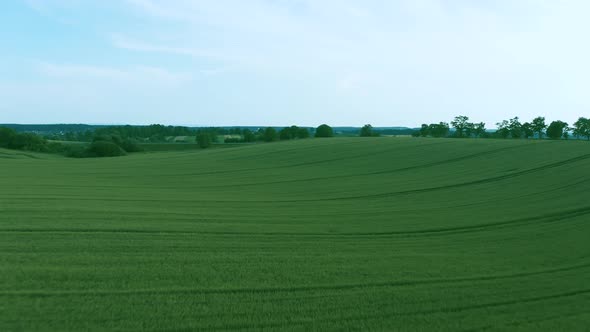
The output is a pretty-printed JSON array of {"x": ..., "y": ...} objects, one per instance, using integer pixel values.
[{"x": 318, "y": 234}]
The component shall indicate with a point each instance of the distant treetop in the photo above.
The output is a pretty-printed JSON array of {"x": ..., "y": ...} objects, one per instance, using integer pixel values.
[{"x": 324, "y": 131}]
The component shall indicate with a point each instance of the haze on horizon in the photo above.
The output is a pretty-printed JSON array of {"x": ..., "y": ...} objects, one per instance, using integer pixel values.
[{"x": 283, "y": 62}]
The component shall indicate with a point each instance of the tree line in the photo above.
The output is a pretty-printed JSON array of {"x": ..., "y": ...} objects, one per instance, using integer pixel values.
[
  {"x": 511, "y": 128},
  {"x": 205, "y": 137},
  {"x": 120, "y": 140}
]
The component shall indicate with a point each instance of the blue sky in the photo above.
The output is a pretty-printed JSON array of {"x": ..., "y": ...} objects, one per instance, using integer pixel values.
[{"x": 283, "y": 62}]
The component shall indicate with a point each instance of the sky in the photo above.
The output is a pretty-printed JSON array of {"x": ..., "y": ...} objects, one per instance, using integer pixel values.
[{"x": 285, "y": 62}]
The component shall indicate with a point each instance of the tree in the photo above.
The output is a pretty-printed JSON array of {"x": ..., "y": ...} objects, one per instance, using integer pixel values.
[
  {"x": 6, "y": 137},
  {"x": 440, "y": 129},
  {"x": 302, "y": 133},
  {"x": 286, "y": 134},
  {"x": 293, "y": 132},
  {"x": 527, "y": 130},
  {"x": 104, "y": 149},
  {"x": 204, "y": 139},
  {"x": 248, "y": 136},
  {"x": 503, "y": 130},
  {"x": 515, "y": 127},
  {"x": 270, "y": 134},
  {"x": 460, "y": 123},
  {"x": 424, "y": 130},
  {"x": 479, "y": 129},
  {"x": 556, "y": 129},
  {"x": 367, "y": 131},
  {"x": 469, "y": 129},
  {"x": 582, "y": 128},
  {"x": 324, "y": 131},
  {"x": 538, "y": 125}
]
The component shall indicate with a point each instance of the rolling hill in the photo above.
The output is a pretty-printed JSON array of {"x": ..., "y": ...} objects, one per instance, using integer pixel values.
[{"x": 319, "y": 234}]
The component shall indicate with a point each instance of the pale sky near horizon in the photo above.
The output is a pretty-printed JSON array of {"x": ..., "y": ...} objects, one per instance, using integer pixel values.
[{"x": 284, "y": 62}]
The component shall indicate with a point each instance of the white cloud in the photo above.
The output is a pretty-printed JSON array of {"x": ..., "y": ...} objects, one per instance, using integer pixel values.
[
  {"x": 133, "y": 45},
  {"x": 136, "y": 74},
  {"x": 434, "y": 58}
]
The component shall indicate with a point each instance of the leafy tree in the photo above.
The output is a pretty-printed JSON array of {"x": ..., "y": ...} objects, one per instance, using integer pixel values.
[
  {"x": 469, "y": 129},
  {"x": 10, "y": 139},
  {"x": 556, "y": 129},
  {"x": 324, "y": 131},
  {"x": 424, "y": 130},
  {"x": 515, "y": 127},
  {"x": 270, "y": 134},
  {"x": 582, "y": 128},
  {"x": 204, "y": 139},
  {"x": 527, "y": 130},
  {"x": 479, "y": 129},
  {"x": 7, "y": 137},
  {"x": 367, "y": 131},
  {"x": 248, "y": 135},
  {"x": 104, "y": 149},
  {"x": 286, "y": 134},
  {"x": 293, "y": 132},
  {"x": 127, "y": 144},
  {"x": 460, "y": 123},
  {"x": 440, "y": 129},
  {"x": 503, "y": 130},
  {"x": 538, "y": 126},
  {"x": 302, "y": 133}
]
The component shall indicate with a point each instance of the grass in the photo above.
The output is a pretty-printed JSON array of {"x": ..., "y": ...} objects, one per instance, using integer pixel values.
[{"x": 324, "y": 234}]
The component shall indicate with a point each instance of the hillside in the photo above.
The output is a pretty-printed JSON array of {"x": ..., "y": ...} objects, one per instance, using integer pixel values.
[{"x": 343, "y": 233}]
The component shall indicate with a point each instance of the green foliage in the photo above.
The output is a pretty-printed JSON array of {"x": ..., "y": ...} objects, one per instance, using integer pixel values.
[
  {"x": 461, "y": 124},
  {"x": 515, "y": 127},
  {"x": 582, "y": 128},
  {"x": 270, "y": 134},
  {"x": 388, "y": 234},
  {"x": 538, "y": 126},
  {"x": 479, "y": 130},
  {"x": 367, "y": 131},
  {"x": 204, "y": 140},
  {"x": 434, "y": 129},
  {"x": 249, "y": 136},
  {"x": 503, "y": 129},
  {"x": 556, "y": 129},
  {"x": 104, "y": 149},
  {"x": 293, "y": 132},
  {"x": 527, "y": 130},
  {"x": 324, "y": 131},
  {"x": 127, "y": 144},
  {"x": 10, "y": 139}
]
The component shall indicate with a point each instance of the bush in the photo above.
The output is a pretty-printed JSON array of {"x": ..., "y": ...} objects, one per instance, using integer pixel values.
[
  {"x": 204, "y": 140},
  {"x": 324, "y": 131},
  {"x": 130, "y": 145},
  {"x": 104, "y": 149}
]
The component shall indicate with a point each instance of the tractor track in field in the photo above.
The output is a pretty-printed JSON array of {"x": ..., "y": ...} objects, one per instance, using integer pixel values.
[
  {"x": 248, "y": 290},
  {"x": 381, "y": 316},
  {"x": 306, "y": 149},
  {"x": 529, "y": 321},
  {"x": 445, "y": 187},
  {"x": 403, "y": 169},
  {"x": 328, "y": 199},
  {"x": 389, "y": 315},
  {"x": 541, "y": 219},
  {"x": 323, "y": 161}
]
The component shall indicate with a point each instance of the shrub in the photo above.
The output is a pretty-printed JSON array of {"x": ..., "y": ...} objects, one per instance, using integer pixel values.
[
  {"x": 324, "y": 131},
  {"x": 104, "y": 149}
]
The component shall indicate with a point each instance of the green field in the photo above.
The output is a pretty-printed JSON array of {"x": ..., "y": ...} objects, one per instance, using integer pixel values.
[{"x": 319, "y": 234}]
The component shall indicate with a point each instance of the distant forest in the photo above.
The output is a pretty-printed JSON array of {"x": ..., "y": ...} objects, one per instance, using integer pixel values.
[{"x": 80, "y": 140}]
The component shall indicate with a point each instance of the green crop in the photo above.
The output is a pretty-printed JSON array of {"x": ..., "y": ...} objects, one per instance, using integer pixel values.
[{"x": 319, "y": 234}]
